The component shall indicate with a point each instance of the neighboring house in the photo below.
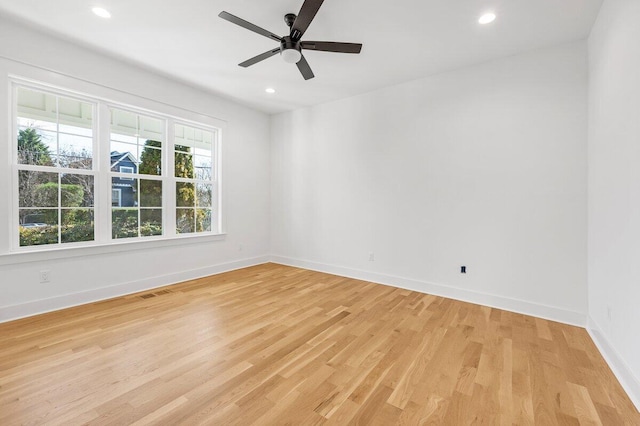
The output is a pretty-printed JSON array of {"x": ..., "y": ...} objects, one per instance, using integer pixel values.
[{"x": 123, "y": 190}]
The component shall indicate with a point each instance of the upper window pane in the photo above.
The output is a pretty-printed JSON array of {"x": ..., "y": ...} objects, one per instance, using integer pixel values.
[
  {"x": 76, "y": 152},
  {"x": 194, "y": 149},
  {"x": 136, "y": 142},
  {"x": 151, "y": 159},
  {"x": 203, "y": 167},
  {"x": 54, "y": 130}
]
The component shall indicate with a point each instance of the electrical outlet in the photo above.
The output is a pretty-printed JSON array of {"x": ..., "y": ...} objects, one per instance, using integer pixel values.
[
  {"x": 45, "y": 276},
  {"x": 372, "y": 257},
  {"x": 463, "y": 269}
]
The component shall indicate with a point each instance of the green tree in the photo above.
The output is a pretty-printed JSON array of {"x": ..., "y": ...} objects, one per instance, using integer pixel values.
[
  {"x": 41, "y": 189},
  {"x": 31, "y": 149},
  {"x": 184, "y": 162},
  {"x": 151, "y": 158},
  {"x": 188, "y": 218},
  {"x": 185, "y": 192},
  {"x": 46, "y": 194},
  {"x": 151, "y": 164}
]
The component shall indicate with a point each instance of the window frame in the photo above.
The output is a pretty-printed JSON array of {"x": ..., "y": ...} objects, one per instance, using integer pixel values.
[
  {"x": 215, "y": 177},
  {"x": 136, "y": 176},
  {"x": 16, "y": 167},
  {"x": 102, "y": 173}
]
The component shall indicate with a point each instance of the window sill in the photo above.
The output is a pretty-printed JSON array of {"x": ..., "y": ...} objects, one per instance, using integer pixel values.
[{"x": 49, "y": 253}]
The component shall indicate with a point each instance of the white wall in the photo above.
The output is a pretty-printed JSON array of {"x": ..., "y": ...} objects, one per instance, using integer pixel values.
[
  {"x": 614, "y": 188},
  {"x": 80, "y": 278},
  {"x": 484, "y": 167}
]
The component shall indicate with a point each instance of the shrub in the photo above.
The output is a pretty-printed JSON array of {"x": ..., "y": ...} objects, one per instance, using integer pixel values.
[{"x": 38, "y": 236}]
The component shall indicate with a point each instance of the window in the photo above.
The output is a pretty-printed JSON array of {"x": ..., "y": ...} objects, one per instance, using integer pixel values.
[
  {"x": 55, "y": 176},
  {"x": 194, "y": 157},
  {"x": 116, "y": 197},
  {"x": 136, "y": 148},
  {"x": 125, "y": 169},
  {"x": 162, "y": 173}
]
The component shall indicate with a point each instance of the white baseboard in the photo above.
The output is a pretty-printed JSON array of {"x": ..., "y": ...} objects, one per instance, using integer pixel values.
[
  {"x": 508, "y": 304},
  {"x": 621, "y": 370},
  {"x": 13, "y": 312}
]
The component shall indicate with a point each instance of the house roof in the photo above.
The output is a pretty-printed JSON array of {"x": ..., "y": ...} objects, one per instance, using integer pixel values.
[{"x": 119, "y": 156}]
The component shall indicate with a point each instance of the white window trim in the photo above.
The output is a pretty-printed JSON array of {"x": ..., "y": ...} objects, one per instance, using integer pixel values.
[
  {"x": 215, "y": 173},
  {"x": 64, "y": 251},
  {"x": 103, "y": 242}
]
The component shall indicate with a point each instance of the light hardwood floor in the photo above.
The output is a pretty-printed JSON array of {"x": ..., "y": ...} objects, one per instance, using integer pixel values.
[{"x": 278, "y": 345}]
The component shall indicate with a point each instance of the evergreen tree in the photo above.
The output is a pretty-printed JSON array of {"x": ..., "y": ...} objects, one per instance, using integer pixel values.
[
  {"x": 151, "y": 164},
  {"x": 31, "y": 149},
  {"x": 151, "y": 158},
  {"x": 184, "y": 162}
]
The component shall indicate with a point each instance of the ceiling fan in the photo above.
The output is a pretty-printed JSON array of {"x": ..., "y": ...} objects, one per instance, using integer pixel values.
[{"x": 290, "y": 45}]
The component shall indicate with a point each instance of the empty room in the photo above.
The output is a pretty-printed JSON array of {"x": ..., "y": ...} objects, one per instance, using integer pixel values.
[{"x": 306, "y": 212}]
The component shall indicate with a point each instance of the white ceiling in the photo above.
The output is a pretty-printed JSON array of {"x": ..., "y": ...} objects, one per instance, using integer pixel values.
[{"x": 403, "y": 40}]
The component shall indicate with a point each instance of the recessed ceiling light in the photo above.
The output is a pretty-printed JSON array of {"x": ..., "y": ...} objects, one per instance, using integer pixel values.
[
  {"x": 487, "y": 18},
  {"x": 270, "y": 90},
  {"x": 103, "y": 13}
]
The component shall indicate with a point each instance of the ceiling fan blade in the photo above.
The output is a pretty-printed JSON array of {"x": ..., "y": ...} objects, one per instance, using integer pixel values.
[
  {"x": 305, "y": 16},
  {"x": 260, "y": 57},
  {"x": 305, "y": 69},
  {"x": 248, "y": 25},
  {"x": 331, "y": 46}
]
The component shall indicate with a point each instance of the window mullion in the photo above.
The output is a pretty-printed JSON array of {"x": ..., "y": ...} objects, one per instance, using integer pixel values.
[
  {"x": 169, "y": 185},
  {"x": 58, "y": 164},
  {"x": 218, "y": 202},
  {"x": 14, "y": 230},
  {"x": 102, "y": 202}
]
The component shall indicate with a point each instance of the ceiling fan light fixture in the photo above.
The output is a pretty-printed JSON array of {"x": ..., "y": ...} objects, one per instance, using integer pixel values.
[
  {"x": 291, "y": 56},
  {"x": 487, "y": 18}
]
